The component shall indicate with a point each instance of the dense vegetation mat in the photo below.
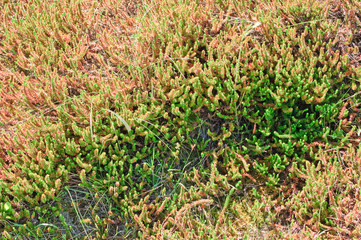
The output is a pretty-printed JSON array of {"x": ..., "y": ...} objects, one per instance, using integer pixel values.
[{"x": 176, "y": 119}]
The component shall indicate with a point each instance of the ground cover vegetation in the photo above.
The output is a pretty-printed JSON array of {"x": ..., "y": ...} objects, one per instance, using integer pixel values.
[{"x": 176, "y": 119}]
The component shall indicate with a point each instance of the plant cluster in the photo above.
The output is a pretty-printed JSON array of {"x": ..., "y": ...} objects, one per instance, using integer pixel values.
[{"x": 175, "y": 119}]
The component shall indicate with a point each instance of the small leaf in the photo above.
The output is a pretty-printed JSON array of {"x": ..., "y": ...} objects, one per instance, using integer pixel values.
[
  {"x": 7, "y": 207},
  {"x": 120, "y": 118}
]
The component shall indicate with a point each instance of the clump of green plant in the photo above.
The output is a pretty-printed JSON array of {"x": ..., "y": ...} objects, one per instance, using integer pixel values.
[{"x": 173, "y": 109}]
